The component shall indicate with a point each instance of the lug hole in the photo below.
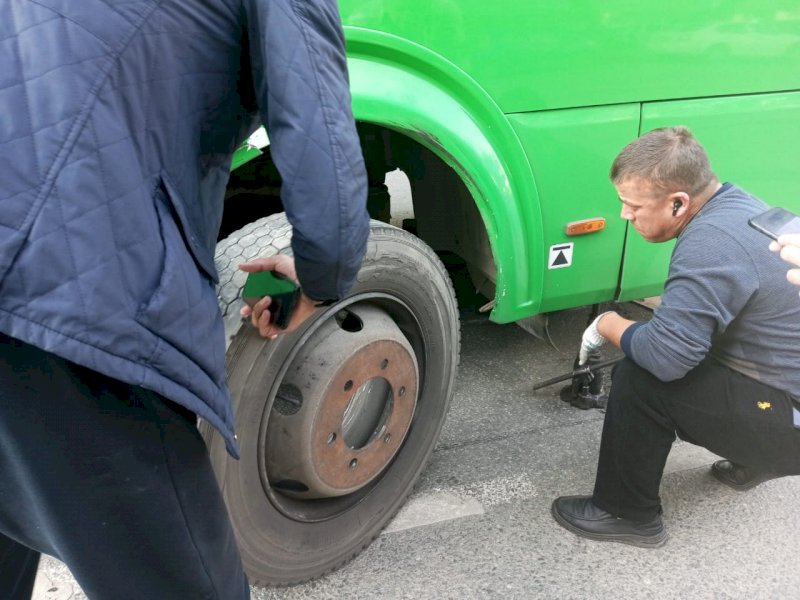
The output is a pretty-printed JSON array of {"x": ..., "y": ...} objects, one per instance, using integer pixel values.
[
  {"x": 353, "y": 463},
  {"x": 331, "y": 438},
  {"x": 402, "y": 391},
  {"x": 387, "y": 438},
  {"x": 348, "y": 386},
  {"x": 349, "y": 321},
  {"x": 385, "y": 363},
  {"x": 290, "y": 485},
  {"x": 288, "y": 400}
]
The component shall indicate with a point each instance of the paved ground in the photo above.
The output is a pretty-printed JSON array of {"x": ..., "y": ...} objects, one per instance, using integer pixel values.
[{"x": 479, "y": 524}]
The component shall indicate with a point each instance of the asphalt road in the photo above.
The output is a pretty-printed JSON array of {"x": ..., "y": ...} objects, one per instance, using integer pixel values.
[{"x": 479, "y": 524}]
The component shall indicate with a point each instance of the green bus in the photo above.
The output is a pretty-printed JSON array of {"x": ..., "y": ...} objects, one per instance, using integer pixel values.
[{"x": 505, "y": 118}]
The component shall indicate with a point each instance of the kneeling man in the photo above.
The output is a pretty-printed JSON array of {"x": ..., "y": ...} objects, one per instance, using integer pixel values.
[{"x": 718, "y": 365}]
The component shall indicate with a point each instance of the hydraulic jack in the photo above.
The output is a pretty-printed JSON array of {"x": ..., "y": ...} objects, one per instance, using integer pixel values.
[{"x": 586, "y": 389}]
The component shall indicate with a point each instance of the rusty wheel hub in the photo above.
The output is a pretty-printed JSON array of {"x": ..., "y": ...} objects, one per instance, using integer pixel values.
[{"x": 344, "y": 406}]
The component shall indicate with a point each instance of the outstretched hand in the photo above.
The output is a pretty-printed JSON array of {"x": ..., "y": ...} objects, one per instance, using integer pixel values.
[
  {"x": 259, "y": 313},
  {"x": 789, "y": 248}
]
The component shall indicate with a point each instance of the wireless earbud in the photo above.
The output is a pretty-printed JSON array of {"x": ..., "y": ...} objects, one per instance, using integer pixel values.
[{"x": 675, "y": 206}]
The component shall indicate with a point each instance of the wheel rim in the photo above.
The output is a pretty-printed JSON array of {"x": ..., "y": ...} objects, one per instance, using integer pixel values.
[{"x": 352, "y": 410}]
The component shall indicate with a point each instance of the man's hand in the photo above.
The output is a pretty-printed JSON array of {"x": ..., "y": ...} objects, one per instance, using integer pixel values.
[
  {"x": 789, "y": 247},
  {"x": 259, "y": 314},
  {"x": 592, "y": 340}
]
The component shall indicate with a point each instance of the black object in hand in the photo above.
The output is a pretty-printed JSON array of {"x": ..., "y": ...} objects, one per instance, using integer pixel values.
[{"x": 284, "y": 294}]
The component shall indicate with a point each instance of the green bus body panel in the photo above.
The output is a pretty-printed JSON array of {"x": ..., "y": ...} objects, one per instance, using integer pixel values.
[
  {"x": 539, "y": 55},
  {"x": 405, "y": 87},
  {"x": 530, "y": 101},
  {"x": 568, "y": 150},
  {"x": 752, "y": 141}
]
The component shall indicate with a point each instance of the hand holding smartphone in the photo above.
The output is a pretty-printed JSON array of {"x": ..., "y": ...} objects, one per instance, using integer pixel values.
[
  {"x": 780, "y": 223},
  {"x": 284, "y": 294},
  {"x": 775, "y": 222}
]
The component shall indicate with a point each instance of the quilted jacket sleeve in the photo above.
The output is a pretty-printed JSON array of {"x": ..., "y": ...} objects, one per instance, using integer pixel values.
[{"x": 302, "y": 88}]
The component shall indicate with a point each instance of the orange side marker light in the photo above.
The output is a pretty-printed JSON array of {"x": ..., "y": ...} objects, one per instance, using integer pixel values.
[{"x": 585, "y": 226}]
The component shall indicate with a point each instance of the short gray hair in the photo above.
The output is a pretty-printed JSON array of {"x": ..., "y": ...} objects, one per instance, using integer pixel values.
[{"x": 670, "y": 159}]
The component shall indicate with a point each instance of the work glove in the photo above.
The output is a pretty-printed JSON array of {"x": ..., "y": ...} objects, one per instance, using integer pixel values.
[{"x": 592, "y": 340}]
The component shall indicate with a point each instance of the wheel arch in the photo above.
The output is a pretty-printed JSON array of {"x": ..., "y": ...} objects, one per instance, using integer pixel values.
[
  {"x": 407, "y": 88},
  {"x": 404, "y": 87}
]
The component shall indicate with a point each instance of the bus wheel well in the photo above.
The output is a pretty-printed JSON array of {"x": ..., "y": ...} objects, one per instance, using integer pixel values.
[
  {"x": 427, "y": 197},
  {"x": 410, "y": 186}
]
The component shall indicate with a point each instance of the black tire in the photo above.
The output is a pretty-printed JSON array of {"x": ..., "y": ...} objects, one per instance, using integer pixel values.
[{"x": 285, "y": 539}]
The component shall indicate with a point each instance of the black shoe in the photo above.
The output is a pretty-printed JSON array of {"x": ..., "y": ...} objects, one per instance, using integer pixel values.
[
  {"x": 579, "y": 515},
  {"x": 739, "y": 477}
]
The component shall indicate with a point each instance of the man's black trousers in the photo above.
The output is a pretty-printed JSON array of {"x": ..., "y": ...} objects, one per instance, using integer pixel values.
[
  {"x": 713, "y": 406},
  {"x": 113, "y": 480}
]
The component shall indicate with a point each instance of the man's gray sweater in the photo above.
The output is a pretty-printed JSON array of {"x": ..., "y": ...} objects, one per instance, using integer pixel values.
[{"x": 726, "y": 296}]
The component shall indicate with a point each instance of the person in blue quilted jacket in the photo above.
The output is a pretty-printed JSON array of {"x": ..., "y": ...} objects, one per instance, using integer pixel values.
[{"x": 119, "y": 121}]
